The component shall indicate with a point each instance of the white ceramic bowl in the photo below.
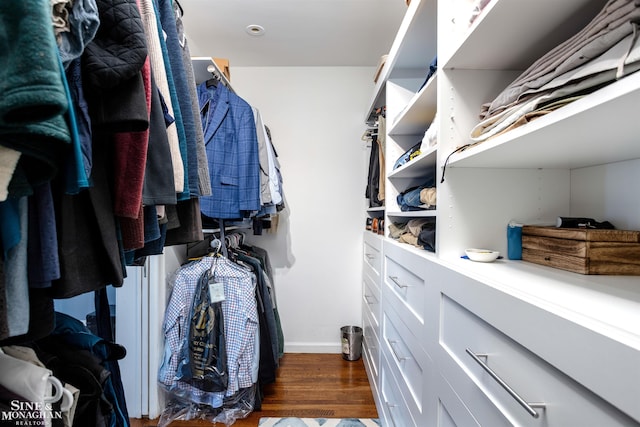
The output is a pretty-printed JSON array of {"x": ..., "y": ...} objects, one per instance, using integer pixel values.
[{"x": 482, "y": 255}]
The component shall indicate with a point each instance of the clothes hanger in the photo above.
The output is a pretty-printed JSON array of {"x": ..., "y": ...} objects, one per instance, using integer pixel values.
[
  {"x": 241, "y": 236},
  {"x": 231, "y": 241},
  {"x": 213, "y": 81},
  {"x": 179, "y": 7},
  {"x": 216, "y": 245},
  {"x": 369, "y": 133},
  {"x": 228, "y": 240}
]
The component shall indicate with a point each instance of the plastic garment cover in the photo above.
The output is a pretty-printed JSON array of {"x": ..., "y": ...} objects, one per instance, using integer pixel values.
[
  {"x": 198, "y": 325},
  {"x": 204, "y": 356},
  {"x": 234, "y": 407}
]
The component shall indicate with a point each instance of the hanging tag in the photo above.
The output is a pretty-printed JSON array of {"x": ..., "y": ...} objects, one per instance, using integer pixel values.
[{"x": 216, "y": 292}]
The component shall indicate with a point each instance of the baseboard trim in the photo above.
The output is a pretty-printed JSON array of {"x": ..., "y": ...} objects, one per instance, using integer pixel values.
[{"x": 299, "y": 347}]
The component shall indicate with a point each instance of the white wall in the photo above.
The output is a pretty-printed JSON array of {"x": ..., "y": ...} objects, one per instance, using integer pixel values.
[
  {"x": 81, "y": 305},
  {"x": 316, "y": 118},
  {"x": 608, "y": 192}
]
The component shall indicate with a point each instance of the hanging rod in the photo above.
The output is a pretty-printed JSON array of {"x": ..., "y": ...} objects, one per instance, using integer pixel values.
[{"x": 204, "y": 68}]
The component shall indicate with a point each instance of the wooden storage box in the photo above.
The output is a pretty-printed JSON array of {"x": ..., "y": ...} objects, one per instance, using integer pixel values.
[
  {"x": 223, "y": 65},
  {"x": 584, "y": 251},
  {"x": 383, "y": 60}
]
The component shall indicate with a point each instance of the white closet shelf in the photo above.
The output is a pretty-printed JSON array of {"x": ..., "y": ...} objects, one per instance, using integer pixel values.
[
  {"x": 417, "y": 167},
  {"x": 414, "y": 214},
  {"x": 411, "y": 51},
  {"x": 415, "y": 44},
  {"x": 419, "y": 113},
  {"x": 226, "y": 229},
  {"x": 533, "y": 28},
  {"x": 570, "y": 295},
  {"x": 559, "y": 139}
]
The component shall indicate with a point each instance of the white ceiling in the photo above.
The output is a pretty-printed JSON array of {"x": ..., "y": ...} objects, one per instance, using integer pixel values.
[{"x": 297, "y": 32}]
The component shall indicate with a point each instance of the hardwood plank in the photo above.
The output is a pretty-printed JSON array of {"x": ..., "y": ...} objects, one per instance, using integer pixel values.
[{"x": 307, "y": 386}]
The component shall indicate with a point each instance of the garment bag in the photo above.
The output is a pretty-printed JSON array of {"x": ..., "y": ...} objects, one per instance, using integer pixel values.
[{"x": 204, "y": 356}]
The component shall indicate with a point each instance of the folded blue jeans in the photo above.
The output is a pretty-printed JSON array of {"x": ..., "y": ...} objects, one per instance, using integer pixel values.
[{"x": 410, "y": 200}]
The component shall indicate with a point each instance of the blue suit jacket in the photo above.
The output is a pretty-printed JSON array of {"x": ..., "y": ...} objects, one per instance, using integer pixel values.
[{"x": 232, "y": 154}]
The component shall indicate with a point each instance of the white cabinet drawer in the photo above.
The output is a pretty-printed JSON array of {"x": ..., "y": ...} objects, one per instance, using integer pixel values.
[
  {"x": 411, "y": 366},
  {"x": 395, "y": 412},
  {"x": 372, "y": 367},
  {"x": 410, "y": 286},
  {"x": 451, "y": 411},
  {"x": 372, "y": 254},
  {"x": 371, "y": 352},
  {"x": 404, "y": 285},
  {"x": 371, "y": 324},
  {"x": 371, "y": 306},
  {"x": 371, "y": 292},
  {"x": 530, "y": 378}
]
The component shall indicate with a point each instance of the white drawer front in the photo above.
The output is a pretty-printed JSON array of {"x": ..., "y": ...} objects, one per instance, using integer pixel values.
[
  {"x": 370, "y": 321},
  {"x": 395, "y": 411},
  {"x": 407, "y": 359},
  {"x": 371, "y": 298},
  {"x": 408, "y": 286},
  {"x": 404, "y": 287},
  {"x": 372, "y": 254},
  {"x": 371, "y": 342},
  {"x": 531, "y": 379},
  {"x": 444, "y": 418},
  {"x": 371, "y": 353},
  {"x": 451, "y": 411}
]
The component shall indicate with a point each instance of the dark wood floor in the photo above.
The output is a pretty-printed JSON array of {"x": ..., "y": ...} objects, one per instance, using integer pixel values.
[{"x": 308, "y": 386}]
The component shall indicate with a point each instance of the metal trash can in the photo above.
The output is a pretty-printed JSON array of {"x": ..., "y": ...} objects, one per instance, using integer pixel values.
[{"x": 351, "y": 342}]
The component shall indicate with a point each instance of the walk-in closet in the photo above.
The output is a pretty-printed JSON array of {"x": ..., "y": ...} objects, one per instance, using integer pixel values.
[{"x": 338, "y": 213}]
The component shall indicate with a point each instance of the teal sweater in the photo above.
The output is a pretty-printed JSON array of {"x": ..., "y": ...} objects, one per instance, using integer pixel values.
[
  {"x": 30, "y": 80},
  {"x": 33, "y": 99}
]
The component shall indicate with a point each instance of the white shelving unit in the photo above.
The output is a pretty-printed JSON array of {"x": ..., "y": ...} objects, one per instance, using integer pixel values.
[
  {"x": 569, "y": 341},
  {"x": 411, "y": 51}
]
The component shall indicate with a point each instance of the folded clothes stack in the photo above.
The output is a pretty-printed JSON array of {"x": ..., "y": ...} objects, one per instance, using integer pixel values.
[
  {"x": 606, "y": 50},
  {"x": 417, "y": 198},
  {"x": 419, "y": 232}
]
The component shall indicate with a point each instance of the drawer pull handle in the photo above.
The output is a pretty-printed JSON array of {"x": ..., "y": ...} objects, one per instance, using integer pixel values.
[
  {"x": 370, "y": 256},
  {"x": 395, "y": 280},
  {"x": 392, "y": 344},
  {"x": 391, "y": 406},
  {"x": 529, "y": 407},
  {"x": 367, "y": 298}
]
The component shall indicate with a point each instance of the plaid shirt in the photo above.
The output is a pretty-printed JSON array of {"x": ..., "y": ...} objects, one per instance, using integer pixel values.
[{"x": 240, "y": 321}]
